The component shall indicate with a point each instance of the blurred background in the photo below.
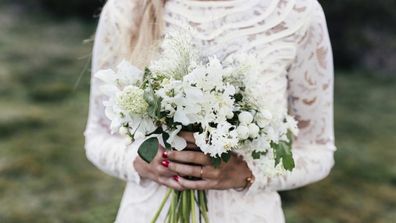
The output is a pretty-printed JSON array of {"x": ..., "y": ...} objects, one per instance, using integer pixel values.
[{"x": 45, "y": 48}]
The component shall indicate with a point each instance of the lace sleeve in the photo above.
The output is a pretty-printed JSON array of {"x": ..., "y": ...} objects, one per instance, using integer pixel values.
[
  {"x": 112, "y": 154},
  {"x": 310, "y": 94}
]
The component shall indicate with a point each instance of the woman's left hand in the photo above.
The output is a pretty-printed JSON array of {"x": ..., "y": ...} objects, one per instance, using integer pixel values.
[{"x": 230, "y": 175}]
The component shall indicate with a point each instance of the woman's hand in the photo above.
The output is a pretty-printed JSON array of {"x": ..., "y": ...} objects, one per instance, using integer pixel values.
[
  {"x": 157, "y": 170},
  {"x": 232, "y": 174}
]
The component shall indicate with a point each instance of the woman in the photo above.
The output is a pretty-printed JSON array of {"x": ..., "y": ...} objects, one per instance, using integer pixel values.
[{"x": 291, "y": 39}]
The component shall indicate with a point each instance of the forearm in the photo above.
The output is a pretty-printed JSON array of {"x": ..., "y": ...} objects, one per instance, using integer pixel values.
[
  {"x": 313, "y": 163},
  {"x": 112, "y": 154}
]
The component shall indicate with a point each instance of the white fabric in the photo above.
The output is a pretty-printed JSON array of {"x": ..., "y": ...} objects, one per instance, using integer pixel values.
[{"x": 292, "y": 41}]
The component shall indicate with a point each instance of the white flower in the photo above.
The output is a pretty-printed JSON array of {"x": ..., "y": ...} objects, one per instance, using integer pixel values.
[
  {"x": 245, "y": 117},
  {"x": 177, "y": 57},
  {"x": 123, "y": 131},
  {"x": 127, "y": 74},
  {"x": 177, "y": 142},
  {"x": 292, "y": 124},
  {"x": 253, "y": 130},
  {"x": 222, "y": 139},
  {"x": 243, "y": 132},
  {"x": 181, "y": 117},
  {"x": 230, "y": 115},
  {"x": 131, "y": 100},
  {"x": 138, "y": 135},
  {"x": 263, "y": 118}
]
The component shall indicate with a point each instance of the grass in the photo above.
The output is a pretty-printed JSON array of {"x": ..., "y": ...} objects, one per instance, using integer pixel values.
[{"x": 45, "y": 177}]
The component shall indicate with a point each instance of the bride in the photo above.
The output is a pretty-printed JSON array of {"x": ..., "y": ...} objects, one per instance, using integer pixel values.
[{"x": 291, "y": 39}]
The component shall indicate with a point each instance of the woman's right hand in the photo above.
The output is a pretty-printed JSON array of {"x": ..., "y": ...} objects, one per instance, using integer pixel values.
[{"x": 157, "y": 170}]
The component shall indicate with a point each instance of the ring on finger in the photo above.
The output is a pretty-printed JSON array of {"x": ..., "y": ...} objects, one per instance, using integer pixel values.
[{"x": 201, "y": 172}]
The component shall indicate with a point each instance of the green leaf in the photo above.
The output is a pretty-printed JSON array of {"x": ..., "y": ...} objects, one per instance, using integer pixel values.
[
  {"x": 165, "y": 136},
  {"x": 238, "y": 97},
  {"x": 154, "y": 103},
  {"x": 283, "y": 152},
  {"x": 216, "y": 161},
  {"x": 226, "y": 157},
  {"x": 148, "y": 149},
  {"x": 147, "y": 73},
  {"x": 256, "y": 154}
]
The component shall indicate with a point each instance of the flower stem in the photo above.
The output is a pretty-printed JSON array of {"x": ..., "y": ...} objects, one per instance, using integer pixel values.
[
  {"x": 202, "y": 205},
  {"x": 193, "y": 214},
  {"x": 155, "y": 218}
]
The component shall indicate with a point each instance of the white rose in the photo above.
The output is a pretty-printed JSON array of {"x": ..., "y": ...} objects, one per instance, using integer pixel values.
[
  {"x": 245, "y": 117},
  {"x": 253, "y": 130},
  {"x": 243, "y": 132}
]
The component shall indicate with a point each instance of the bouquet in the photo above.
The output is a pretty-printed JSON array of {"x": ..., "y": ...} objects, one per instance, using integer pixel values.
[{"x": 221, "y": 102}]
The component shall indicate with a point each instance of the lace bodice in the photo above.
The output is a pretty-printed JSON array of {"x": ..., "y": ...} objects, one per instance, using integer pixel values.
[{"x": 291, "y": 40}]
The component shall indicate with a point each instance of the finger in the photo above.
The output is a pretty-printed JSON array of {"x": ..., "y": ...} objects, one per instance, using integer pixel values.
[
  {"x": 185, "y": 169},
  {"x": 170, "y": 182},
  {"x": 188, "y": 136},
  {"x": 158, "y": 156},
  {"x": 192, "y": 146},
  {"x": 210, "y": 172},
  {"x": 164, "y": 171},
  {"x": 198, "y": 158},
  {"x": 196, "y": 184}
]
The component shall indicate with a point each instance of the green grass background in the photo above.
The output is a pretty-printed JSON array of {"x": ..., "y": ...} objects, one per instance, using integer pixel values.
[{"x": 45, "y": 177}]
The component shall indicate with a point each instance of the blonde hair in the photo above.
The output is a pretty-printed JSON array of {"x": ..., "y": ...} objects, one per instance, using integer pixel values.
[{"x": 148, "y": 34}]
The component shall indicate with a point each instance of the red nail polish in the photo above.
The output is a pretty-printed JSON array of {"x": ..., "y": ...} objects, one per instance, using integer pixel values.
[
  {"x": 165, "y": 163},
  {"x": 165, "y": 155},
  {"x": 176, "y": 178}
]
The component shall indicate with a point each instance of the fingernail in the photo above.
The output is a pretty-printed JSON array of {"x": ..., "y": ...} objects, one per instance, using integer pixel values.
[
  {"x": 165, "y": 155},
  {"x": 176, "y": 178},
  {"x": 165, "y": 163}
]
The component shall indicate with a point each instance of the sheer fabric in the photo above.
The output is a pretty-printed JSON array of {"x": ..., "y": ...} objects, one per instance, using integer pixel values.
[{"x": 291, "y": 40}]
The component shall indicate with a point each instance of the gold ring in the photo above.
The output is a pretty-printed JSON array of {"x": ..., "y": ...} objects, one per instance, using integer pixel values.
[{"x": 201, "y": 173}]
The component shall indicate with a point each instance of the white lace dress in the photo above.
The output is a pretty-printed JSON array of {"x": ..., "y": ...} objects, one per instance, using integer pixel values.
[{"x": 291, "y": 39}]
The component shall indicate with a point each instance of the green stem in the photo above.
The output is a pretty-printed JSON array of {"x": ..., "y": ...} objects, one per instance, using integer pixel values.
[
  {"x": 202, "y": 205},
  {"x": 173, "y": 208},
  {"x": 193, "y": 215},
  {"x": 155, "y": 218},
  {"x": 184, "y": 207},
  {"x": 179, "y": 209}
]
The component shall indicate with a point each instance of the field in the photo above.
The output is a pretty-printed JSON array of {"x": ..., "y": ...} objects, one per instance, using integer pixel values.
[{"x": 45, "y": 177}]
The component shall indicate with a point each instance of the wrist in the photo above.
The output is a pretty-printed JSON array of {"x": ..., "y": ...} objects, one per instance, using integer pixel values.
[{"x": 140, "y": 167}]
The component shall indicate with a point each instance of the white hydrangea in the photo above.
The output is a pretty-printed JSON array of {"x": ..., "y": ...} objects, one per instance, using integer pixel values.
[{"x": 131, "y": 101}]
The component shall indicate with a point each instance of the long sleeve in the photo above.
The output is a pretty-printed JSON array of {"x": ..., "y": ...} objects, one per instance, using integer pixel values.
[
  {"x": 112, "y": 154},
  {"x": 310, "y": 97}
]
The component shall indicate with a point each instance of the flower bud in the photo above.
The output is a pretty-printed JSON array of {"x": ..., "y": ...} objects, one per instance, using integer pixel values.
[
  {"x": 123, "y": 131},
  {"x": 245, "y": 117},
  {"x": 230, "y": 115},
  {"x": 243, "y": 132},
  {"x": 253, "y": 130},
  {"x": 263, "y": 118}
]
